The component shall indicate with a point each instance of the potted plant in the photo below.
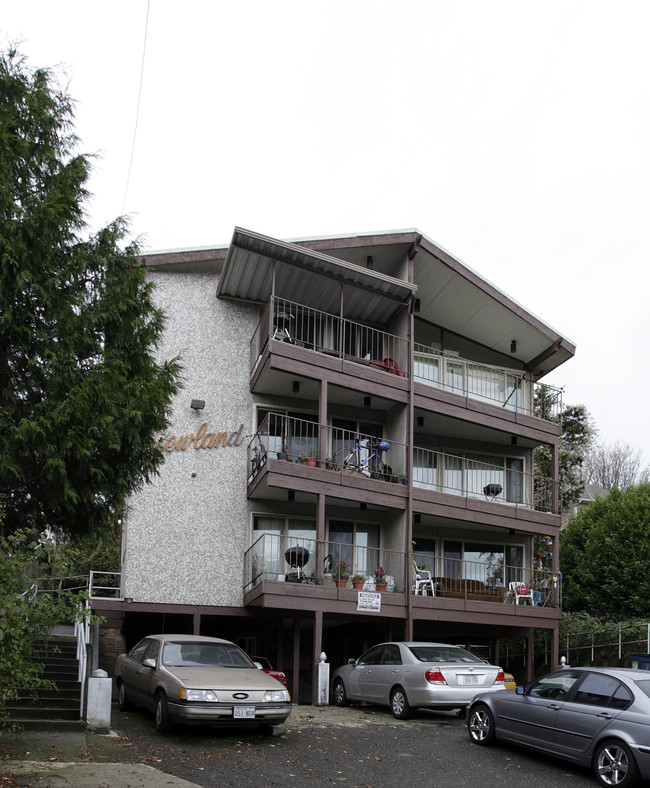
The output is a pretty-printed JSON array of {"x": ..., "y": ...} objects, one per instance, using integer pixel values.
[
  {"x": 380, "y": 578},
  {"x": 312, "y": 459},
  {"x": 358, "y": 581},
  {"x": 302, "y": 458},
  {"x": 340, "y": 573}
]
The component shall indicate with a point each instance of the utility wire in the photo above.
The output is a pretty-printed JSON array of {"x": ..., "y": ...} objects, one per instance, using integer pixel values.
[{"x": 137, "y": 111}]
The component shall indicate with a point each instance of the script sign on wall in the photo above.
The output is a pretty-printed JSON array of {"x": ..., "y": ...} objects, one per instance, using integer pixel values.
[{"x": 202, "y": 439}]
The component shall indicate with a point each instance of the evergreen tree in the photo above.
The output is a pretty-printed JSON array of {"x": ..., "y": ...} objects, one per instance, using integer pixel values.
[
  {"x": 605, "y": 554},
  {"x": 81, "y": 391},
  {"x": 576, "y": 438}
]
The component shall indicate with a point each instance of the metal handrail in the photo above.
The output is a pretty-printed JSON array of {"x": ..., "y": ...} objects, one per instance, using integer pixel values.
[
  {"x": 322, "y": 332},
  {"x": 94, "y": 588},
  {"x": 306, "y": 561},
  {"x": 503, "y": 387},
  {"x": 456, "y": 475},
  {"x": 307, "y": 442}
]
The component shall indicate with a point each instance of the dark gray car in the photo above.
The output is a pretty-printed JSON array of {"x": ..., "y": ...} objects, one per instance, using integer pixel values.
[{"x": 595, "y": 717}]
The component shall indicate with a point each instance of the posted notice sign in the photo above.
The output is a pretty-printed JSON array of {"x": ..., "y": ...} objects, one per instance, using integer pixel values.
[{"x": 369, "y": 601}]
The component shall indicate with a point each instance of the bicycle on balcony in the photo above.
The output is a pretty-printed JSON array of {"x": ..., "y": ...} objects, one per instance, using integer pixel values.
[{"x": 365, "y": 457}]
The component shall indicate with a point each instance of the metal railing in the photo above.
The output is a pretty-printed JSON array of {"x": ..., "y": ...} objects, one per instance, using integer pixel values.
[
  {"x": 491, "y": 580},
  {"x": 456, "y": 475},
  {"x": 300, "y": 325},
  {"x": 337, "y": 450},
  {"x": 82, "y": 634},
  {"x": 297, "y": 559},
  {"x": 105, "y": 585},
  {"x": 321, "y": 563},
  {"x": 505, "y": 388}
]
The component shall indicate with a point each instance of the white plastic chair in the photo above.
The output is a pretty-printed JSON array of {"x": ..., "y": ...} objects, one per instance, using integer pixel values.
[
  {"x": 423, "y": 582},
  {"x": 520, "y": 591}
]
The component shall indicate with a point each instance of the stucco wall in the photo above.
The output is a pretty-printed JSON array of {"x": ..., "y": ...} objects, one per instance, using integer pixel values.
[{"x": 185, "y": 533}]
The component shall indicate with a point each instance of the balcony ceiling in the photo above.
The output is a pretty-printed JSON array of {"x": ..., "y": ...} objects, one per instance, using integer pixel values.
[{"x": 309, "y": 277}]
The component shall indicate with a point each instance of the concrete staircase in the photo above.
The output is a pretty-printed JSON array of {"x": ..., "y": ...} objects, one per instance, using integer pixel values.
[{"x": 52, "y": 709}]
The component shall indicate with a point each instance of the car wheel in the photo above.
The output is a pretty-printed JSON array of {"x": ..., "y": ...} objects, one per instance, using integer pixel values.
[
  {"x": 480, "y": 725},
  {"x": 399, "y": 704},
  {"x": 339, "y": 693},
  {"x": 614, "y": 764},
  {"x": 163, "y": 723},
  {"x": 122, "y": 698}
]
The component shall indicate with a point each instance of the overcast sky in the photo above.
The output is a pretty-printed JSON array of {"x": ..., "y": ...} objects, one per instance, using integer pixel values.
[{"x": 514, "y": 134}]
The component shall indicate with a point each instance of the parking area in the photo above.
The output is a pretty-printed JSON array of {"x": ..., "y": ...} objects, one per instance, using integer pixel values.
[{"x": 356, "y": 746}]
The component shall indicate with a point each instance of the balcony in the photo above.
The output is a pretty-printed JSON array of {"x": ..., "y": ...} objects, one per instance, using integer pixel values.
[
  {"x": 296, "y": 565},
  {"x": 347, "y": 454},
  {"x": 329, "y": 335},
  {"x": 339, "y": 451},
  {"x": 472, "y": 479},
  {"x": 504, "y": 388}
]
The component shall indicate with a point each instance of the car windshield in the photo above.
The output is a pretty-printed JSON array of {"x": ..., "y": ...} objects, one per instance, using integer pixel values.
[
  {"x": 442, "y": 654},
  {"x": 217, "y": 655}
]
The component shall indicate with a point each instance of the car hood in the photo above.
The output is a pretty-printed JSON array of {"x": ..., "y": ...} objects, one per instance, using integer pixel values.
[{"x": 223, "y": 678}]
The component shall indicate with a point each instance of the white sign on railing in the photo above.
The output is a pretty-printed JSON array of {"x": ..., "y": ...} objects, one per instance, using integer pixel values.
[{"x": 369, "y": 601}]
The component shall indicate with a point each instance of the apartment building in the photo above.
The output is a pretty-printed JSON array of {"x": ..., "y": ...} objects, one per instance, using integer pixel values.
[{"x": 352, "y": 407}]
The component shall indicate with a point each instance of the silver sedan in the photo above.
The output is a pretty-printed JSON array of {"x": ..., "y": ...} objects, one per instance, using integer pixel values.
[
  {"x": 595, "y": 717},
  {"x": 200, "y": 680},
  {"x": 407, "y": 676}
]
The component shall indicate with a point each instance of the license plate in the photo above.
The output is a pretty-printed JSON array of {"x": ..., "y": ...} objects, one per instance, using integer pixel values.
[
  {"x": 470, "y": 680},
  {"x": 243, "y": 712}
]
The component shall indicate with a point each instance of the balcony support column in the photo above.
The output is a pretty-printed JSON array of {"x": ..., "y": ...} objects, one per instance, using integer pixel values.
[
  {"x": 554, "y": 657},
  {"x": 322, "y": 421},
  {"x": 295, "y": 684},
  {"x": 318, "y": 647},
  {"x": 555, "y": 476},
  {"x": 530, "y": 655}
]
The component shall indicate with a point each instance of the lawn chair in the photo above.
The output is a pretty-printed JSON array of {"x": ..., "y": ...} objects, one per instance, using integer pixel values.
[
  {"x": 518, "y": 591},
  {"x": 423, "y": 582}
]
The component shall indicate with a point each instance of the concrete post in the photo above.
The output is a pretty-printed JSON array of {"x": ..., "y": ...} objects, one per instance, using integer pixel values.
[
  {"x": 98, "y": 708},
  {"x": 322, "y": 693}
]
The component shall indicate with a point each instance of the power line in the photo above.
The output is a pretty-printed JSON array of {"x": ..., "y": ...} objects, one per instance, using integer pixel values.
[{"x": 137, "y": 111}]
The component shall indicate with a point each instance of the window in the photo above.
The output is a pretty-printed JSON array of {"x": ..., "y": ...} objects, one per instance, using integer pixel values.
[
  {"x": 356, "y": 544},
  {"x": 555, "y": 685},
  {"x": 483, "y": 562},
  {"x": 599, "y": 690},
  {"x": 280, "y": 534},
  {"x": 391, "y": 655},
  {"x": 372, "y": 656}
]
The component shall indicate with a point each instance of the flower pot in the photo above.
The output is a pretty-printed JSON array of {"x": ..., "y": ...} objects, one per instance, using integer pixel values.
[
  {"x": 311, "y": 461},
  {"x": 282, "y": 455},
  {"x": 380, "y": 586},
  {"x": 358, "y": 584},
  {"x": 340, "y": 583}
]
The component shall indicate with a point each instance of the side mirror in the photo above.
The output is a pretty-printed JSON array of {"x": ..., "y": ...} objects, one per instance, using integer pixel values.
[
  {"x": 352, "y": 661},
  {"x": 257, "y": 665},
  {"x": 149, "y": 663},
  {"x": 520, "y": 690}
]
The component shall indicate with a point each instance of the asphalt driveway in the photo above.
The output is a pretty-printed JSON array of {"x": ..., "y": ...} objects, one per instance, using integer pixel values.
[{"x": 359, "y": 747}]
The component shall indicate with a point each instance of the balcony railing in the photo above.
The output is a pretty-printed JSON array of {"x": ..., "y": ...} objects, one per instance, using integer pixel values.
[
  {"x": 499, "y": 386},
  {"x": 308, "y": 561},
  {"x": 303, "y": 560},
  {"x": 469, "y": 478},
  {"x": 337, "y": 450},
  {"x": 300, "y": 325}
]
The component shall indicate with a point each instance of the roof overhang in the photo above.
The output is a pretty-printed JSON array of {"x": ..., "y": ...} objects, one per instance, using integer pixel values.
[{"x": 309, "y": 277}]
